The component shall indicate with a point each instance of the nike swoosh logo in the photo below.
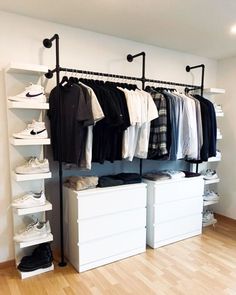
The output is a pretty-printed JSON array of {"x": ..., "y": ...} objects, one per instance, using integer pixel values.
[
  {"x": 33, "y": 95},
  {"x": 35, "y": 133}
]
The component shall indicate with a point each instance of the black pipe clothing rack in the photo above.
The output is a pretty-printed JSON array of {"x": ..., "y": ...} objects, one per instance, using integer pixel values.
[{"x": 48, "y": 44}]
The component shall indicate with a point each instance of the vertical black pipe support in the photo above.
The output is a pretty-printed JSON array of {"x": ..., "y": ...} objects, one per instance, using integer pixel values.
[
  {"x": 130, "y": 58},
  {"x": 48, "y": 43},
  {"x": 188, "y": 69}
]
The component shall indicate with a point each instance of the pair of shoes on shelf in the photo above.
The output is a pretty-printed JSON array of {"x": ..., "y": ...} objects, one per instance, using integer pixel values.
[
  {"x": 31, "y": 94},
  {"x": 34, "y": 231},
  {"x": 30, "y": 199},
  {"x": 210, "y": 196},
  {"x": 207, "y": 216},
  {"x": 33, "y": 166},
  {"x": 41, "y": 257},
  {"x": 33, "y": 130},
  {"x": 209, "y": 174}
]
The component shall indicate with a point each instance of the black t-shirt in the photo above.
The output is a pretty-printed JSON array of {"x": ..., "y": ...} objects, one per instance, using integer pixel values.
[
  {"x": 209, "y": 128},
  {"x": 76, "y": 114},
  {"x": 108, "y": 133}
]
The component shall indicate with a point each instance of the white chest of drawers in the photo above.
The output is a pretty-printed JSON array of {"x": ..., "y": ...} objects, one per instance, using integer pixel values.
[
  {"x": 103, "y": 225},
  {"x": 174, "y": 210}
]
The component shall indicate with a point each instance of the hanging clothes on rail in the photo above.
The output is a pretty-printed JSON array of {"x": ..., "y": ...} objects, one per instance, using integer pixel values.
[
  {"x": 189, "y": 126},
  {"x": 142, "y": 111},
  {"x": 108, "y": 133},
  {"x": 158, "y": 147},
  {"x": 75, "y": 117},
  {"x": 209, "y": 128}
]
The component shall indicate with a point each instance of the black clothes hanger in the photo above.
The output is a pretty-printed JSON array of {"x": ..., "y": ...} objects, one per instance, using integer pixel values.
[{"x": 64, "y": 80}]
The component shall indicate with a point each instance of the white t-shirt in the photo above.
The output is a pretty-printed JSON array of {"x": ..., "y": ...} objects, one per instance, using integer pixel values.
[
  {"x": 98, "y": 115},
  {"x": 149, "y": 112}
]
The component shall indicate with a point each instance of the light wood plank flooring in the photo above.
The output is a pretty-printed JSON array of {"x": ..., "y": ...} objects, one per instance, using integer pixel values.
[{"x": 201, "y": 265}]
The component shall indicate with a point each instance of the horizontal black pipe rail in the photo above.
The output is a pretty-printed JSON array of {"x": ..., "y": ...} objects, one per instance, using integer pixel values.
[{"x": 76, "y": 71}]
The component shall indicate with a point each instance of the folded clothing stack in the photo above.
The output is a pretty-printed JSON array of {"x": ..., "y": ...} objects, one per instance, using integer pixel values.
[
  {"x": 119, "y": 179},
  {"x": 164, "y": 175},
  {"x": 79, "y": 183}
]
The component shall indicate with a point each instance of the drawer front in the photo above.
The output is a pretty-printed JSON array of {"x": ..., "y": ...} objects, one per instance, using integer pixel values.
[
  {"x": 168, "y": 192},
  {"x": 110, "y": 202},
  {"x": 103, "y": 226},
  {"x": 169, "y": 211},
  {"x": 114, "y": 245},
  {"x": 177, "y": 227}
]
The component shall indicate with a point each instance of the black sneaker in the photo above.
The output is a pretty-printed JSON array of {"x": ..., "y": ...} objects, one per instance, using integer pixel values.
[
  {"x": 40, "y": 258},
  {"x": 45, "y": 247}
]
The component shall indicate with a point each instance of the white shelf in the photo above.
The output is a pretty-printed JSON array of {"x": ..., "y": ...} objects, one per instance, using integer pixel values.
[
  {"x": 210, "y": 181},
  {"x": 214, "y": 90},
  {"x": 30, "y": 69},
  {"x": 27, "y": 105},
  {"x": 219, "y": 137},
  {"x": 36, "y": 272},
  {"x": 49, "y": 238},
  {"x": 212, "y": 222},
  {"x": 34, "y": 141},
  {"x": 24, "y": 177},
  {"x": 46, "y": 207},
  {"x": 220, "y": 114},
  {"x": 214, "y": 159},
  {"x": 207, "y": 203}
]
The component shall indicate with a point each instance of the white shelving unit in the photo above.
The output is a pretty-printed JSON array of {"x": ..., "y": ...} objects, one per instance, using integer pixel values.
[
  {"x": 31, "y": 210},
  {"x": 18, "y": 142},
  {"x": 26, "y": 177},
  {"x": 208, "y": 203},
  {"x": 48, "y": 238},
  {"x": 213, "y": 91},
  {"x": 25, "y": 275},
  {"x": 214, "y": 159},
  {"x": 211, "y": 181},
  {"x": 17, "y": 76},
  {"x": 23, "y": 105},
  {"x": 210, "y": 94},
  {"x": 30, "y": 69}
]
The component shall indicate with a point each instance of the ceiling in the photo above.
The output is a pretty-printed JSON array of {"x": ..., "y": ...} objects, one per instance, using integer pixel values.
[{"x": 200, "y": 27}]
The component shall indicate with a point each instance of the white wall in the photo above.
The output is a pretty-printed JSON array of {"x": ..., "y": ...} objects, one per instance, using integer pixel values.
[
  {"x": 226, "y": 78},
  {"x": 21, "y": 40}
]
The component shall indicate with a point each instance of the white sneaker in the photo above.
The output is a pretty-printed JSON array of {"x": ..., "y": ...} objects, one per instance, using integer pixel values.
[
  {"x": 32, "y": 93},
  {"x": 34, "y": 231},
  {"x": 210, "y": 196},
  {"x": 207, "y": 216},
  {"x": 209, "y": 174},
  {"x": 29, "y": 200},
  {"x": 33, "y": 130},
  {"x": 33, "y": 166}
]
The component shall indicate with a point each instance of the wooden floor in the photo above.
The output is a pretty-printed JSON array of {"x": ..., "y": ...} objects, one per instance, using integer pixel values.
[{"x": 201, "y": 265}]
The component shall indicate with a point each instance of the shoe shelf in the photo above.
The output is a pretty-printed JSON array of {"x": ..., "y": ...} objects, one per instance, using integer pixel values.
[
  {"x": 28, "y": 274},
  {"x": 211, "y": 222},
  {"x": 49, "y": 238},
  {"x": 34, "y": 141},
  {"x": 25, "y": 177},
  {"x": 214, "y": 159},
  {"x": 214, "y": 91},
  {"x": 23, "y": 73},
  {"x": 27, "y": 105},
  {"x": 219, "y": 114},
  {"x": 31, "y": 69},
  {"x": 210, "y": 181},
  {"x": 46, "y": 207},
  {"x": 208, "y": 203}
]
